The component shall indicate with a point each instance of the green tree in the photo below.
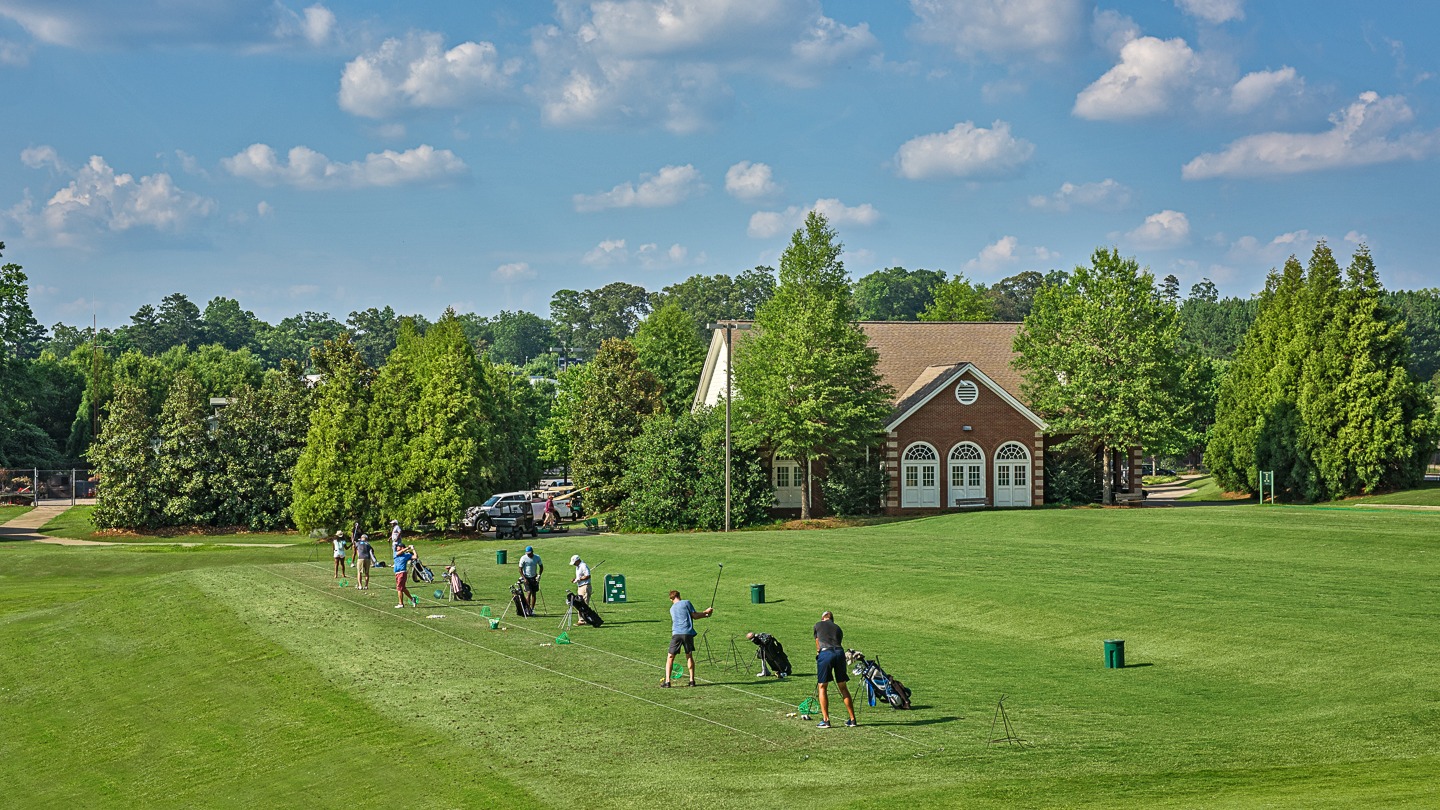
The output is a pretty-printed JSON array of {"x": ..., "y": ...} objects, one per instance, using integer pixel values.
[
  {"x": 959, "y": 299},
  {"x": 1100, "y": 354},
  {"x": 225, "y": 322},
  {"x": 517, "y": 337},
  {"x": 294, "y": 337},
  {"x": 615, "y": 397},
  {"x": 22, "y": 441},
  {"x": 666, "y": 345},
  {"x": 1013, "y": 296},
  {"x": 806, "y": 376},
  {"x": 260, "y": 436},
  {"x": 374, "y": 332},
  {"x": 123, "y": 458},
  {"x": 186, "y": 462},
  {"x": 895, "y": 294},
  {"x": 675, "y": 477},
  {"x": 557, "y": 425},
  {"x": 329, "y": 489}
]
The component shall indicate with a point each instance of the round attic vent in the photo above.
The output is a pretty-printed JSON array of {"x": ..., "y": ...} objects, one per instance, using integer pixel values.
[{"x": 966, "y": 392}]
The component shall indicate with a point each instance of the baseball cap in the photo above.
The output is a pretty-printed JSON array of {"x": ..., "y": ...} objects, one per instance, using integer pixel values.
[
  {"x": 575, "y": 559},
  {"x": 394, "y": 522},
  {"x": 529, "y": 549}
]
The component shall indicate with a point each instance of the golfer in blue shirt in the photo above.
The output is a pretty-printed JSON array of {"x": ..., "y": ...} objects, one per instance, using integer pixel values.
[{"x": 682, "y": 635}]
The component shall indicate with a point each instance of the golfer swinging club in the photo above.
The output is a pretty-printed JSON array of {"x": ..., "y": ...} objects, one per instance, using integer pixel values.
[
  {"x": 682, "y": 635},
  {"x": 830, "y": 663}
]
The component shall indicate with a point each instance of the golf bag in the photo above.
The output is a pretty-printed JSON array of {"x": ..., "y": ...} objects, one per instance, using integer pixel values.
[
  {"x": 878, "y": 684},
  {"x": 587, "y": 613},
  {"x": 517, "y": 597},
  {"x": 419, "y": 573},
  {"x": 459, "y": 588},
  {"x": 772, "y": 654}
]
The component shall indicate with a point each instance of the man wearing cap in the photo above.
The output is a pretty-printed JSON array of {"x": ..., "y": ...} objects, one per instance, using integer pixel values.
[
  {"x": 530, "y": 570},
  {"x": 830, "y": 664},
  {"x": 395, "y": 544},
  {"x": 581, "y": 580}
]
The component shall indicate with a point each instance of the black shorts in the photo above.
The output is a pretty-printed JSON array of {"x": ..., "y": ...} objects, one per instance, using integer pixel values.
[
  {"x": 682, "y": 643},
  {"x": 532, "y": 584},
  {"x": 830, "y": 665}
]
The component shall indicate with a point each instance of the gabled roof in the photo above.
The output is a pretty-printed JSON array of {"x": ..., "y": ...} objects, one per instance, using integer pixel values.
[
  {"x": 912, "y": 355},
  {"x": 941, "y": 378}
]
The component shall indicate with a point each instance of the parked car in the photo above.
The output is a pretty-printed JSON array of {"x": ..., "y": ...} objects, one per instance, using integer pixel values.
[
  {"x": 1145, "y": 469},
  {"x": 483, "y": 517}
]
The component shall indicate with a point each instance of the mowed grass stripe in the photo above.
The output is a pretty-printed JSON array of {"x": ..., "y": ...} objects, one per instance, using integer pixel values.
[{"x": 550, "y": 670}]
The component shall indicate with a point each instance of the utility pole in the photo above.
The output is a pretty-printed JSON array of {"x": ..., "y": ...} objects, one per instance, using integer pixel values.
[{"x": 729, "y": 327}]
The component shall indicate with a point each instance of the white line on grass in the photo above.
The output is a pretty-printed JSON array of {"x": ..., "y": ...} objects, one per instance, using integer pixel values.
[
  {"x": 451, "y": 605},
  {"x": 432, "y": 628}
]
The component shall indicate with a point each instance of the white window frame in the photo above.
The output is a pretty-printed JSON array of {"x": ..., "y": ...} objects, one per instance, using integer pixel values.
[
  {"x": 920, "y": 496},
  {"x": 788, "y": 496},
  {"x": 1012, "y": 475},
  {"x": 970, "y": 469}
]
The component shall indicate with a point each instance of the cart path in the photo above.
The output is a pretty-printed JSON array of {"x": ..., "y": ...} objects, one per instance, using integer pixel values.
[{"x": 27, "y": 526}]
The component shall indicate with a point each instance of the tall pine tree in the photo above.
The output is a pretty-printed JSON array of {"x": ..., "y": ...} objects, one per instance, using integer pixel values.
[
  {"x": 123, "y": 458},
  {"x": 329, "y": 484}
]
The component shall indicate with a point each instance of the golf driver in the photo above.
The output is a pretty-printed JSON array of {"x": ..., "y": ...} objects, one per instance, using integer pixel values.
[{"x": 717, "y": 584}]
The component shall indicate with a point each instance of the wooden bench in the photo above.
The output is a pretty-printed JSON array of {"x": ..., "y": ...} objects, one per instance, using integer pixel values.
[
  {"x": 969, "y": 503},
  {"x": 1128, "y": 498}
]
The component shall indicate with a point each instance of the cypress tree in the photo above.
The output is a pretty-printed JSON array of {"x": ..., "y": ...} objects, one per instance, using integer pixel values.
[
  {"x": 186, "y": 463},
  {"x": 615, "y": 397},
  {"x": 123, "y": 456},
  {"x": 329, "y": 483}
]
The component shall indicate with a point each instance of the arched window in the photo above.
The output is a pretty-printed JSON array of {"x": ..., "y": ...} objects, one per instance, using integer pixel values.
[
  {"x": 967, "y": 472},
  {"x": 1012, "y": 475},
  {"x": 920, "y": 476}
]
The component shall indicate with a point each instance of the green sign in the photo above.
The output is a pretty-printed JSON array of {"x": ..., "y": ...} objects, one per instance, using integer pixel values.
[{"x": 614, "y": 587}]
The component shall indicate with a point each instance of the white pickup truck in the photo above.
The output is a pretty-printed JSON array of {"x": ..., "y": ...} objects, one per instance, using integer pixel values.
[{"x": 481, "y": 517}]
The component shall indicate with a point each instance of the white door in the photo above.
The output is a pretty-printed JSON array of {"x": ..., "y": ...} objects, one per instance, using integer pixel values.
[
  {"x": 967, "y": 472},
  {"x": 786, "y": 478},
  {"x": 920, "y": 477},
  {"x": 1012, "y": 475}
]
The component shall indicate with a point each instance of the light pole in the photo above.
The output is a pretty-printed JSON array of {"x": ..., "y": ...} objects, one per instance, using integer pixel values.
[{"x": 729, "y": 327}]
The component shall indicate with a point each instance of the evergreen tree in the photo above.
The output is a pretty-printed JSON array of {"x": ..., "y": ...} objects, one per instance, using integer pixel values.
[
  {"x": 806, "y": 377},
  {"x": 675, "y": 477},
  {"x": 615, "y": 397},
  {"x": 329, "y": 482},
  {"x": 667, "y": 345},
  {"x": 260, "y": 436},
  {"x": 391, "y": 426},
  {"x": 123, "y": 458},
  {"x": 186, "y": 468},
  {"x": 454, "y": 434},
  {"x": 1100, "y": 353}
]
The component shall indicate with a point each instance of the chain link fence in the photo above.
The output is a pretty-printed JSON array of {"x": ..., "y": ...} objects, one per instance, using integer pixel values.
[{"x": 36, "y": 487}]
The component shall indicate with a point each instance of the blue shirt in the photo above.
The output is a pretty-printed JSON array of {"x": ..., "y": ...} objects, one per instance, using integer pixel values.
[
  {"x": 402, "y": 561},
  {"x": 680, "y": 622}
]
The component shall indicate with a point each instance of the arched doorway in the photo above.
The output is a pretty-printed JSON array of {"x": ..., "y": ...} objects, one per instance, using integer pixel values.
[
  {"x": 1012, "y": 475},
  {"x": 785, "y": 476},
  {"x": 967, "y": 472},
  {"x": 920, "y": 476}
]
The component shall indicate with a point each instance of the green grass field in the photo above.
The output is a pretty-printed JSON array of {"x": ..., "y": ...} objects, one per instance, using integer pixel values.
[
  {"x": 1285, "y": 657},
  {"x": 8, "y": 512},
  {"x": 1426, "y": 495}
]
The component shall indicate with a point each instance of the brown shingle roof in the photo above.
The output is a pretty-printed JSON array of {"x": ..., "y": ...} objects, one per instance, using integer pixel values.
[{"x": 910, "y": 351}]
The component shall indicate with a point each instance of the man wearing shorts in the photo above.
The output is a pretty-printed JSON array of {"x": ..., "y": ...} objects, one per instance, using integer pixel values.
[
  {"x": 830, "y": 664},
  {"x": 402, "y": 563},
  {"x": 682, "y": 635},
  {"x": 364, "y": 556},
  {"x": 530, "y": 570}
]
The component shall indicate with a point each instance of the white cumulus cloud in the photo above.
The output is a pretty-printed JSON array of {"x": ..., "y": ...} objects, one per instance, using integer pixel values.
[
  {"x": 608, "y": 252},
  {"x": 1151, "y": 74},
  {"x": 765, "y": 224},
  {"x": 304, "y": 168},
  {"x": 1006, "y": 253},
  {"x": 418, "y": 72},
  {"x": 750, "y": 181},
  {"x": 1250, "y": 250},
  {"x": 1108, "y": 194},
  {"x": 1260, "y": 87},
  {"x": 999, "y": 29},
  {"x": 1165, "y": 229},
  {"x": 1360, "y": 135},
  {"x": 669, "y": 186},
  {"x": 1213, "y": 11},
  {"x": 36, "y": 157},
  {"x": 637, "y": 63},
  {"x": 99, "y": 200},
  {"x": 965, "y": 151},
  {"x": 512, "y": 272},
  {"x": 247, "y": 24}
]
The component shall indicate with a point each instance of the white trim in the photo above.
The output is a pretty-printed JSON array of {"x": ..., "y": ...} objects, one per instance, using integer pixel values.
[
  {"x": 920, "y": 501},
  {"x": 1010, "y": 467},
  {"x": 710, "y": 392},
  {"x": 964, "y": 464},
  {"x": 986, "y": 381}
]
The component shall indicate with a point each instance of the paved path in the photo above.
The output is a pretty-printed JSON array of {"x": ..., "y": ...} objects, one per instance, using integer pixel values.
[
  {"x": 26, "y": 527},
  {"x": 1167, "y": 494}
]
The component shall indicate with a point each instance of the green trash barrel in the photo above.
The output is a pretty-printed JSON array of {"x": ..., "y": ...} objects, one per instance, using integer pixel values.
[
  {"x": 500, "y": 556},
  {"x": 1115, "y": 653},
  {"x": 757, "y": 594}
]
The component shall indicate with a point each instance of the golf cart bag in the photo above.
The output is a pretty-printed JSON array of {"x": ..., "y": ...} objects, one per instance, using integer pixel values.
[
  {"x": 459, "y": 588},
  {"x": 419, "y": 573},
  {"x": 772, "y": 654},
  {"x": 877, "y": 683},
  {"x": 587, "y": 613},
  {"x": 517, "y": 597}
]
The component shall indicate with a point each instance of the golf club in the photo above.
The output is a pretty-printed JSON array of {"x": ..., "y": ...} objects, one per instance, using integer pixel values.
[{"x": 717, "y": 585}]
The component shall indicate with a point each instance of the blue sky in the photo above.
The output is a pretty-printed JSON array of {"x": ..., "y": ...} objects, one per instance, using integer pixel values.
[{"x": 337, "y": 156}]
